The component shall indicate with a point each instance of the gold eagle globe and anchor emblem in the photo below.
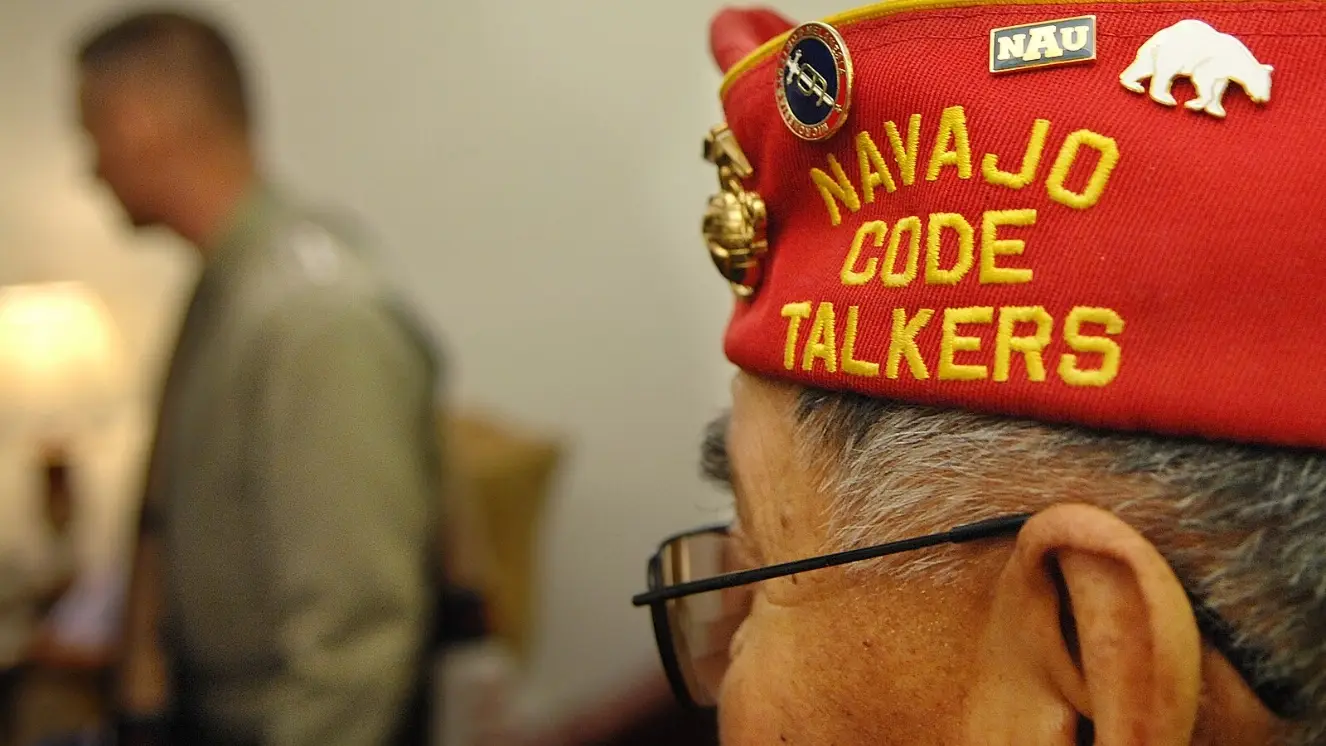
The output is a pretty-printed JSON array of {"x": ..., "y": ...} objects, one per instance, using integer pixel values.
[{"x": 735, "y": 220}]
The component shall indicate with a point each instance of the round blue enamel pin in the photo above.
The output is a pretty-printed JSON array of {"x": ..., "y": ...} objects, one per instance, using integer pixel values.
[{"x": 814, "y": 89}]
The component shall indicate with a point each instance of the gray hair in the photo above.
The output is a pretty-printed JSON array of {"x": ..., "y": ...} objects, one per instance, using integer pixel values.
[{"x": 1243, "y": 526}]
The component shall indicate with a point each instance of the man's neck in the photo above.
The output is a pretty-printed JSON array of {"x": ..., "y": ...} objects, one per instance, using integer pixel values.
[{"x": 206, "y": 204}]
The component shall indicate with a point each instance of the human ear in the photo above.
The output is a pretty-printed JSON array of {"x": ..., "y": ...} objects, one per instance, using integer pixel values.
[{"x": 1090, "y": 639}]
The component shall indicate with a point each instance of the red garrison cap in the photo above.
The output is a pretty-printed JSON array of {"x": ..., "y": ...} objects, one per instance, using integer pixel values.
[
  {"x": 1103, "y": 213},
  {"x": 735, "y": 33}
]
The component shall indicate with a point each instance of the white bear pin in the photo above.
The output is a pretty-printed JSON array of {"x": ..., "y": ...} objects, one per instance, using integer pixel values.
[{"x": 1207, "y": 57}]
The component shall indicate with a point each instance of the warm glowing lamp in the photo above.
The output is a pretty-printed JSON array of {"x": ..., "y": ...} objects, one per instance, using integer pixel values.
[{"x": 61, "y": 364}]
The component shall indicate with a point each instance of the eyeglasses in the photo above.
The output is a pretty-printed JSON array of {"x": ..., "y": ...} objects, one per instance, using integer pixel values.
[{"x": 698, "y": 598}]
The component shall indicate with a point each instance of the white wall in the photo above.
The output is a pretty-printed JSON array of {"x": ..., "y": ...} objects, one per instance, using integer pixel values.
[{"x": 533, "y": 169}]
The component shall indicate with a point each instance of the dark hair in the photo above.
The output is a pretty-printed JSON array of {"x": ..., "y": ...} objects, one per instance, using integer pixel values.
[{"x": 174, "y": 42}]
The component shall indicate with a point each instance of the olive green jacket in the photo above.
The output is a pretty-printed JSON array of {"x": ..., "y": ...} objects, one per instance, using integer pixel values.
[{"x": 293, "y": 483}]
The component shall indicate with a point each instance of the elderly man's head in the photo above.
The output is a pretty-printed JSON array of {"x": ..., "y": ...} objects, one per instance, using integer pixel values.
[
  {"x": 1029, "y": 442},
  {"x": 1077, "y": 629}
]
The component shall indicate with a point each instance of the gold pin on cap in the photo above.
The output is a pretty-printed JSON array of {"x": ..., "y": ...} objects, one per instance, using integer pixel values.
[{"x": 735, "y": 220}]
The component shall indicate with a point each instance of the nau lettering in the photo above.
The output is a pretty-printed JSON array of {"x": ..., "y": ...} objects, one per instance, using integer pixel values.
[
  {"x": 1043, "y": 41},
  {"x": 1043, "y": 44}
]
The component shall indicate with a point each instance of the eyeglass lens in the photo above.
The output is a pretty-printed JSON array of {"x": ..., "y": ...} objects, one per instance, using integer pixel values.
[{"x": 702, "y": 626}]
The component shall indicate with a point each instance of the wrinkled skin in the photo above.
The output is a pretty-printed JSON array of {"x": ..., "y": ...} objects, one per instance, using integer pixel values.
[{"x": 832, "y": 657}]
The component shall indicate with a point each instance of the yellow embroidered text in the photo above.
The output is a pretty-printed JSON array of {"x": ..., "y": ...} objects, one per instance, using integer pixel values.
[
  {"x": 950, "y": 250},
  {"x": 1077, "y": 177},
  {"x": 955, "y": 344}
]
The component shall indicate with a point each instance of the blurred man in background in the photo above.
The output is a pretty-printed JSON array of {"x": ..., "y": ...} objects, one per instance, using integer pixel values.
[
  {"x": 282, "y": 579},
  {"x": 1088, "y": 375}
]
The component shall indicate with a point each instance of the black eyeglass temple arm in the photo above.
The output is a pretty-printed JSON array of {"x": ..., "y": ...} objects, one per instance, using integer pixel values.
[{"x": 958, "y": 535}]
